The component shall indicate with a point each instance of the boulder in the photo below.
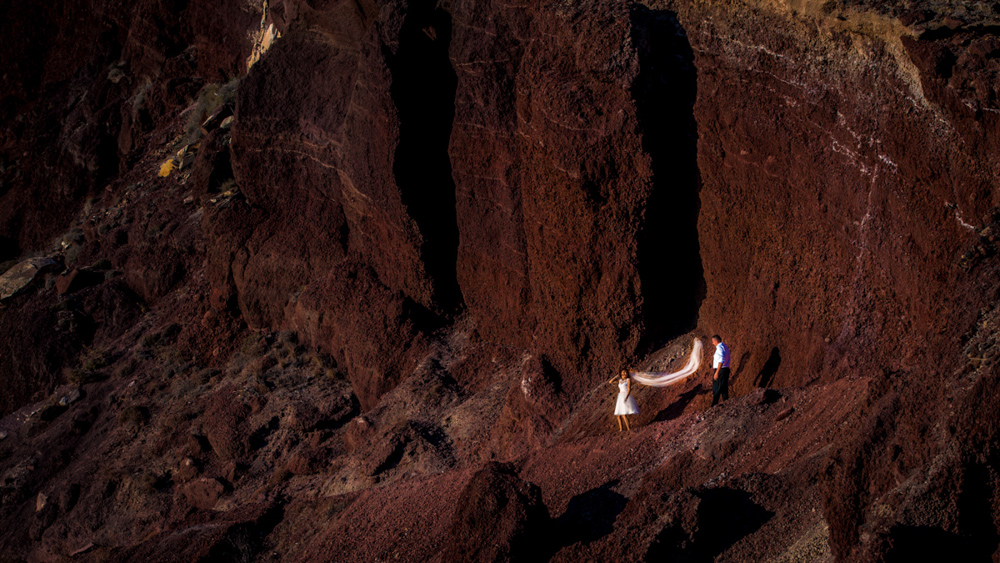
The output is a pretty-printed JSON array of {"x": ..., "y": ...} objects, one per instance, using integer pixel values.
[
  {"x": 226, "y": 427},
  {"x": 499, "y": 517},
  {"x": 21, "y": 276},
  {"x": 203, "y": 493},
  {"x": 77, "y": 279}
]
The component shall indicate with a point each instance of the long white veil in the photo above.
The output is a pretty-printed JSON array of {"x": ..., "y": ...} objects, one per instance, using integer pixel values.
[{"x": 664, "y": 379}]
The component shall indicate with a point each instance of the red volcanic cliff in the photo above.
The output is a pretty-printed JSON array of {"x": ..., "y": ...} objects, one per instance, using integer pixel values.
[{"x": 345, "y": 280}]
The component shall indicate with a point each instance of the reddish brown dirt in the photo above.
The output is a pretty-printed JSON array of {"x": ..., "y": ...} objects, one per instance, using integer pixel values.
[{"x": 372, "y": 316}]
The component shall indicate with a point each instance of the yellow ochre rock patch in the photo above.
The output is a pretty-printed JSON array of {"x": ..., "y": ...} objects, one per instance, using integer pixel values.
[{"x": 167, "y": 167}]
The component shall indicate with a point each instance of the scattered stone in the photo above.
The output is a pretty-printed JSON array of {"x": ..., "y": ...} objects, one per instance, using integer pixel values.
[
  {"x": 188, "y": 200},
  {"x": 305, "y": 462},
  {"x": 315, "y": 438},
  {"x": 226, "y": 123},
  {"x": 74, "y": 237},
  {"x": 784, "y": 414},
  {"x": 187, "y": 161},
  {"x": 953, "y": 22},
  {"x": 218, "y": 117},
  {"x": 73, "y": 396},
  {"x": 68, "y": 497},
  {"x": 229, "y": 471},
  {"x": 40, "y": 501},
  {"x": 203, "y": 493},
  {"x": 304, "y": 416},
  {"x": 357, "y": 433},
  {"x": 82, "y": 550},
  {"x": 14, "y": 481},
  {"x": 187, "y": 471}
]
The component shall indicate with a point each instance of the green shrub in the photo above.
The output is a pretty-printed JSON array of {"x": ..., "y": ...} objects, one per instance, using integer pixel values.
[
  {"x": 94, "y": 359},
  {"x": 210, "y": 98},
  {"x": 126, "y": 368},
  {"x": 150, "y": 339},
  {"x": 253, "y": 346},
  {"x": 133, "y": 415}
]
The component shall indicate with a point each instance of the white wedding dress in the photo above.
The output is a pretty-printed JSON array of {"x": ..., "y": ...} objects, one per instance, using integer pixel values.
[{"x": 625, "y": 406}]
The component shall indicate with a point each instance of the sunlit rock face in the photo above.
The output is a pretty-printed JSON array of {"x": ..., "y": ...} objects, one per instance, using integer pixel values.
[{"x": 497, "y": 172}]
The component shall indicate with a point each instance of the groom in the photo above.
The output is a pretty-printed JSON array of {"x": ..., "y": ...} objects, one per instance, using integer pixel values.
[{"x": 720, "y": 363}]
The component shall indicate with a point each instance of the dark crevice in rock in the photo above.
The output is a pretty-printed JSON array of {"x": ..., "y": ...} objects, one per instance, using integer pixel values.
[
  {"x": 423, "y": 89},
  {"x": 244, "y": 541},
  {"x": 221, "y": 173},
  {"x": 8, "y": 247},
  {"x": 670, "y": 268},
  {"x": 945, "y": 32},
  {"x": 259, "y": 438},
  {"x": 425, "y": 320}
]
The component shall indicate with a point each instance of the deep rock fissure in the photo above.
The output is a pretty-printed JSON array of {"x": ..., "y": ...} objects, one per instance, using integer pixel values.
[
  {"x": 670, "y": 268},
  {"x": 423, "y": 89}
]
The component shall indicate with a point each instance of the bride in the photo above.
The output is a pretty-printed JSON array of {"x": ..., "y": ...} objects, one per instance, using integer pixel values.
[{"x": 626, "y": 404}]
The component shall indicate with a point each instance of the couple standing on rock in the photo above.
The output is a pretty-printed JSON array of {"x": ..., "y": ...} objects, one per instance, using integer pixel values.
[{"x": 626, "y": 404}]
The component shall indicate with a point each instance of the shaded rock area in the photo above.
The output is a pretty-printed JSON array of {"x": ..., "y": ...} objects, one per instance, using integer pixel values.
[
  {"x": 499, "y": 517},
  {"x": 297, "y": 280}
]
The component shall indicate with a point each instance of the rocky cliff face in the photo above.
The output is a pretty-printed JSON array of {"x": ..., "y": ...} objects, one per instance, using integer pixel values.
[
  {"x": 464, "y": 171},
  {"x": 429, "y": 232}
]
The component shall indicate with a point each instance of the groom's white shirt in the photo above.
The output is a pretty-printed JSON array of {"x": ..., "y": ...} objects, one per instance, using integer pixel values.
[{"x": 721, "y": 356}]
